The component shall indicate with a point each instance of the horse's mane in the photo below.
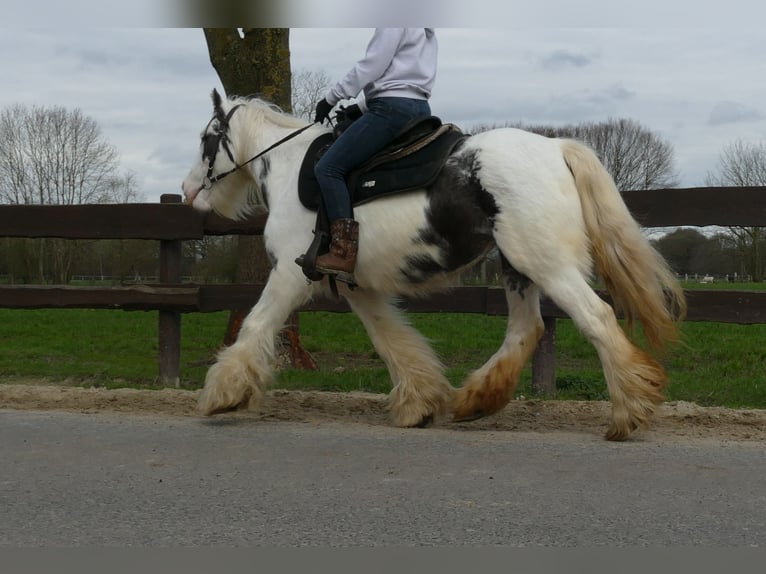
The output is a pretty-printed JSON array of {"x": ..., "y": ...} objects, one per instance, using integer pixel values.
[
  {"x": 258, "y": 114},
  {"x": 270, "y": 112}
]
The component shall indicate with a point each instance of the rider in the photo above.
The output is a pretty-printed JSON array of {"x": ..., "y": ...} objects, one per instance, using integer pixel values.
[{"x": 396, "y": 76}]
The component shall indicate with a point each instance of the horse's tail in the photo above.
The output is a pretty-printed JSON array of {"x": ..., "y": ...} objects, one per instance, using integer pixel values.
[{"x": 639, "y": 280}]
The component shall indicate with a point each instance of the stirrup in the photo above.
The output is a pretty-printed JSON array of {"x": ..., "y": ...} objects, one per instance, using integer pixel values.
[
  {"x": 347, "y": 278},
  {"x": 342, "y": 276},
  {"x": 307, "y": 261}
]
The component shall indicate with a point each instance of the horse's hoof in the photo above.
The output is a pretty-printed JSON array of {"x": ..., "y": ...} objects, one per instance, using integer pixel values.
[
  {"x": 227, "y": 408},
  {"x": 220, "y": 411},
  {"x": 617, "y": 434}
]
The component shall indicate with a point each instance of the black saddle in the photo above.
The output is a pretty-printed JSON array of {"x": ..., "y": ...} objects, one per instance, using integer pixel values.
[{"x": 412, "y": 161}]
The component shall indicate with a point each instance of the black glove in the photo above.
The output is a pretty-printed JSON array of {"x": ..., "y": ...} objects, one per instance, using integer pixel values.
[{"x": 323, "y": 110}]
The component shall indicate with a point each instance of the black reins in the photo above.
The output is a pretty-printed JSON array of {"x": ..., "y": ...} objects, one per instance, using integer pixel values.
[{"x": 222, "y": 136}]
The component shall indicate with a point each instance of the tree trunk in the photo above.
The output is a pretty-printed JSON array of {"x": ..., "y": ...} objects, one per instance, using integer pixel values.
[
  {"x": 256, "y": 62},
  {"x": 253, "y": 63}
]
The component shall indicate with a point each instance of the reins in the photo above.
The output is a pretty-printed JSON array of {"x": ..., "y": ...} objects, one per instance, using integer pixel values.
[{"x": 209, "y": 177}]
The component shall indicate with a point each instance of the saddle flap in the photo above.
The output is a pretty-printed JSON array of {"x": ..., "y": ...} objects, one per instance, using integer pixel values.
[{"x": 308, "y": 186}]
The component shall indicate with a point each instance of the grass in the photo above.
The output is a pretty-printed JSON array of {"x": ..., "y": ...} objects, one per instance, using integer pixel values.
[
  {"x": 720, "y": 364},
  {"x": 101, "y": 347},
  {"x": 724, "y": 286}
]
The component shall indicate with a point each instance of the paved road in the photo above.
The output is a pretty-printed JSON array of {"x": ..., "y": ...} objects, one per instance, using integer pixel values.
[{"x": 72, "y": 479}]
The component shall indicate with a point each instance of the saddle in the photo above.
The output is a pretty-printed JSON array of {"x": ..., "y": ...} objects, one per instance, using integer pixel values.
[{"x": 413, "y": 160}]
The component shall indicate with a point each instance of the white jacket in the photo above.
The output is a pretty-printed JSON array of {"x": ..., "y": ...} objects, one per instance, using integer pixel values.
[{"x": 399, "y": 62}]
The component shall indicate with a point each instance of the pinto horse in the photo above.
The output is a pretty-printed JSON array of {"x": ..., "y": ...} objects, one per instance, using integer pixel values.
[{"x": 548, "y": 206}]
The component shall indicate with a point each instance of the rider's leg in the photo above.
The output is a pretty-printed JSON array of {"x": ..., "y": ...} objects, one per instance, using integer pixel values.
[{"x": 369, "y": 134}]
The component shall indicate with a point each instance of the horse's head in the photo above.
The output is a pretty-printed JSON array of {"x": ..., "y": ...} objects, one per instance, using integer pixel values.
[{"x": 216, "y": 182}]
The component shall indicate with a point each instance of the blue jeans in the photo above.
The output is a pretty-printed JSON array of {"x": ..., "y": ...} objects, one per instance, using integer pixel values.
[{"x": 378, "y": 126}]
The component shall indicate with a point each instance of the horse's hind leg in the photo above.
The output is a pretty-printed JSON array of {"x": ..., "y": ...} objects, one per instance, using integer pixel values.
[
  {"x": 489, "y": 389},
  {"x": 421, "y": 392},
  {"x": 634, "y": 379}
]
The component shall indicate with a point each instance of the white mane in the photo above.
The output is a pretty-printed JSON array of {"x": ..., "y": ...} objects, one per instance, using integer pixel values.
[
  {"x": 266, "y": 111},
  {"x": 239, "y": 195}
]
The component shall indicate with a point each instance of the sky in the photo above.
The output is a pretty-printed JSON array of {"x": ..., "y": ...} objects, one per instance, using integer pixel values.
[{"x": 691, "y": 72}]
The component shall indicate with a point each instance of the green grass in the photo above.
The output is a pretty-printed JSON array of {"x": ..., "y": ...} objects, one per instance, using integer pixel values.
[
  {"x": 100, "y": 347},
  {"x": 724, "y": 286},
  {"x": 720, "y": 364}
]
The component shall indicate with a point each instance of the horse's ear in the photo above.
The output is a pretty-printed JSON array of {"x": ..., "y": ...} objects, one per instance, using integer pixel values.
[{"x": 217, "y": 103}]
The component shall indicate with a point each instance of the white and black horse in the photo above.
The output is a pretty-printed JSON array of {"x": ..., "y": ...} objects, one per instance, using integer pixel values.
[{"x": 549, "y": 207}]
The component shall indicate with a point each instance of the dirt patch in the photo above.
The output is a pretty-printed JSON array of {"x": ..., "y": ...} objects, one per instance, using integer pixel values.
[{"x": 675, "y": 419}]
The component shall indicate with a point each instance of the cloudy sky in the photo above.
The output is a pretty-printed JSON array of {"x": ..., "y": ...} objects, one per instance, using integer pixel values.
[{"x": 694, "y": 77}]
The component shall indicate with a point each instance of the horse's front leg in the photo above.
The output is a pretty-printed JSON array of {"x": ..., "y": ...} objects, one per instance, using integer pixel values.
[
  {"x": 421, "y": 392},
  {"x": 242, "y": 371}
]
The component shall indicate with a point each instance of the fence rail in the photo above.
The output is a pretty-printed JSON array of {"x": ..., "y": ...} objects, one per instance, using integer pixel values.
[
  {"x": 171, "y": 224},
  {"x": 743, "y": 307}
]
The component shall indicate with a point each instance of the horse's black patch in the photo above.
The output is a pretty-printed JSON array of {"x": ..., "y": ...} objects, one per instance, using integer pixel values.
[
  {"x": 517, "y": 281},
  {"x": 421, "y": 267},
  {"x": 265, "y": 169},
  {"x": 429, "y": 236},
  {"x": 460, "y": 218},
  {"x": 210, "y": 143}
]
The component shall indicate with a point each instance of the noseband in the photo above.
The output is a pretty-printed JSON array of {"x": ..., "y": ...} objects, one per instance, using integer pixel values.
[{"x": 220, "y": 138}]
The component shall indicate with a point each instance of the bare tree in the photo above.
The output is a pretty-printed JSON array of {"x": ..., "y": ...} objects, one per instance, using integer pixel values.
[
  {"x": 308, "y": 87},
  {"x": 636, "y": 157},
  {"x": 123, "y": 188},
  {"x": 743, "y": 164},
  {"x": 53, "y": 156}
]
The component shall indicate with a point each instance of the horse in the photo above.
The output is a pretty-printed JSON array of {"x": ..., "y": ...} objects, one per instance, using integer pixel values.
[{"x": 547, "y": 205}]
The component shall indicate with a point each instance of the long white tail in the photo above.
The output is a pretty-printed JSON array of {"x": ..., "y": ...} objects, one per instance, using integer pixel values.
[{"x": 639, "y": 280}]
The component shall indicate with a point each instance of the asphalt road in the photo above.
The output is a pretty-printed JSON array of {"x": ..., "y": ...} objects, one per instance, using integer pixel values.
[{"x": 70, "y": 479}]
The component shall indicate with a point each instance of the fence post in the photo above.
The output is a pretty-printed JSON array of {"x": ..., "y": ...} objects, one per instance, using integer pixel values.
[
  {"x": 544, "y": 361},
  {"x": 170, "y": 321}
]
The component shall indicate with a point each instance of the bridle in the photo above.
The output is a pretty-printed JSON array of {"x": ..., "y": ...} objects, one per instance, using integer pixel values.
[{"x": 220, "y": 138}]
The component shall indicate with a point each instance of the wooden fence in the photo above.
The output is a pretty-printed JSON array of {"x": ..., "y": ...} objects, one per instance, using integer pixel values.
[{"x": 171, "y": 224}]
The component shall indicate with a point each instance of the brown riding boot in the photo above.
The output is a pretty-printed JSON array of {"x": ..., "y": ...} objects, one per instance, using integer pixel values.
[{"x": 344, "y": 243}]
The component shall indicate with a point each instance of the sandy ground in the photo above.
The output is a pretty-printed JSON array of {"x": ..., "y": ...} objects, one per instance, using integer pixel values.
[{"x": 674, "y": 419}]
